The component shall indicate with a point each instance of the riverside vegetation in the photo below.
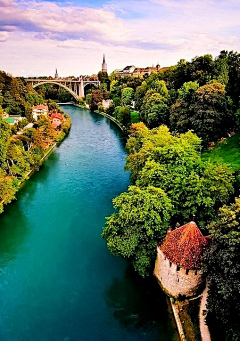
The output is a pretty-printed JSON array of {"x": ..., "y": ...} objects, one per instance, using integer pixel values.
[
  {"x": 182, "y": 110},
  {"x": 23, "y": 150},
  {"x": 171, "y": 182}
]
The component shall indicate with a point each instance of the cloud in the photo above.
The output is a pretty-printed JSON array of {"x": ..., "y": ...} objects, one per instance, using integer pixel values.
[
  {"x": 4, "y": 36},
  {"x": 141, "y": 32},
  {"x": 63, "y": 22}
]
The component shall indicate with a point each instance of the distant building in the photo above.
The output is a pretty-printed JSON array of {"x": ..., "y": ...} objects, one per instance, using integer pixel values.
[
  {"x": 56, "y": 120},
  {"x": 104, "y": 65},
  {"x": 56, "y": 75},
  {"x": 106, "y": 103},
  {"x": 132, "y": 70},
  {"x": 39, "y": 110},
  {"x": 179, "y": 260}
]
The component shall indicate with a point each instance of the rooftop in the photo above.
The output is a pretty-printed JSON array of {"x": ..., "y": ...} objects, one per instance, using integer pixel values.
[
  {"x": 40, "y": 107},
  {"x": 184, "y": 246}
]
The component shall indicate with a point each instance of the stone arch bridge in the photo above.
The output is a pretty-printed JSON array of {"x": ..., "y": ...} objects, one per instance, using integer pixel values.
[{"x": 74, "y": 86}]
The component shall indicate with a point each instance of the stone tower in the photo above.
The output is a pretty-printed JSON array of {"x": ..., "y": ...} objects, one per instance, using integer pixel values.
[
  {"x": 104, "y": 64},
  {"x": 56, "y": 74},
  {"x": 178, "y": 263}
]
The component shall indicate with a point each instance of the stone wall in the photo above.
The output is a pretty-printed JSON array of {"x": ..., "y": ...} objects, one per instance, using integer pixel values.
[{"x": 174, "y": 280}]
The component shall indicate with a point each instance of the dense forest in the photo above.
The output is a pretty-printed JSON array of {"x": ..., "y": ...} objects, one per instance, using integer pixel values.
[
  {"x": 22, "y": 146},
  {"x": 184, "y": 110}
]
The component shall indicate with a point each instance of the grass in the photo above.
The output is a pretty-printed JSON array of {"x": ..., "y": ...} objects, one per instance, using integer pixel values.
[
  {"x": 135, "y": 117},
  {"x": 227, "y": 151}
]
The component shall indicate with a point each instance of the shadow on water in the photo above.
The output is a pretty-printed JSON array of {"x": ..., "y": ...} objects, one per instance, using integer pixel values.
[
  {"x": 97, "y": 118},
  {"x": 13, "y": 235},
  {"x": 140, "y": 304}
]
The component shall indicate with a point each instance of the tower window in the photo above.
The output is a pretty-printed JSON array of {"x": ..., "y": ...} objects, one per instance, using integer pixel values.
[{"x": 178, "y": 268}]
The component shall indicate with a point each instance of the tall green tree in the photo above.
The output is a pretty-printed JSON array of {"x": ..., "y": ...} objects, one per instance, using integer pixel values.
[
  {"x": 127, "y": 96},
  {"x": 222, "y": 266},
  {"x": 141, "y": 219},
  {"x": 154, "y": 110}
]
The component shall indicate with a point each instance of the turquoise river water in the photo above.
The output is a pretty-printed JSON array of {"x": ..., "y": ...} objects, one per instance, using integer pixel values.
[{"x": 58, "y": 282}]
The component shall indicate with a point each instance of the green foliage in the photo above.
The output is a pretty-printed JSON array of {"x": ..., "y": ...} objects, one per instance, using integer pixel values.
[
  {"x": 227, "y": 151},
  {"x": 34, "y": 98},
  {"x": 19, "y": 154},
  {"x": 160, "y": 87},
  {"x": 207, "y": 111},
  {"x": 88, "y": 99},
  {"x": 173, "y": 163},
  {"x": 135, "y": 117},
  {"x": 122, "y": 114},
  {"x": 97, "y": 97},
  {"x": 139, "y": 95},
  {"x": 141, "y": 219},
  {"x": 187, "y": 89},
  {"x": 5, "y": 133},
  {"x": 222, "y": 266},
  {"x": 154, "y": 110},
  {"x": 127, "y": 96},
  {"x": 170, "y": 166}
]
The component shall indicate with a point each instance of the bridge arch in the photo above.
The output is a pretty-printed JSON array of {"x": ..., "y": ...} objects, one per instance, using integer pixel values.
[{"x": 59, "y": 84}]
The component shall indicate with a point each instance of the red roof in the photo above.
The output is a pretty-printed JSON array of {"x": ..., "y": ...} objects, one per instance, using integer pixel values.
[
  {"x": 184, "y": 246},
  {"x": 59, "y": 116},
  {"x": 54, "y": 125},
  {"x": 40, "y": 107}
]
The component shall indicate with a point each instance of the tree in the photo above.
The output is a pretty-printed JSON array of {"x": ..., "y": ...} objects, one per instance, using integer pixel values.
[
  {"x": 173, "y": 163},
  {"x": 154, "y": 110},
  {"x": 141, "y": 219},
  {"x": 186, "y": 90},
  {"x": 160, "y": 87},
  {"x": 5, "y": 133},
  {"x": 7, "y": 190},
  {"x": 206, "y": 110},
  {"x": 180, "y": 113},
  {"x": 123, "y": 115},
  {"x": 97, "y": 97},
  {"x": 212, "y": 116},
  {"x": 222, "y": 266},
  {"x": 103, "y": 77},
  {"x": 88, "y": 99},
  {"x": 139, "y": 95},
  {"x": 127, "y": 96}
]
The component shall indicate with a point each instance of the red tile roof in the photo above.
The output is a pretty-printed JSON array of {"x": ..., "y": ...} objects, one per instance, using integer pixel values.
[
  {"x": 39, "y": 107},
  {"x": 184, "y": 246},
  {"x": 59, "y": 116},
  {"x": 54, "y": 125}
]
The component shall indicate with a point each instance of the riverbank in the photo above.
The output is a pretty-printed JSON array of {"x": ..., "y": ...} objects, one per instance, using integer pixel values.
[
  {"x": 16, "y": 180},
  {"x": 113, "y": 119}
]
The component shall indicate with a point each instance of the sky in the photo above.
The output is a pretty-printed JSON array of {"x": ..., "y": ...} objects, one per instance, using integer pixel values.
[{"x": 36, "y": 37}]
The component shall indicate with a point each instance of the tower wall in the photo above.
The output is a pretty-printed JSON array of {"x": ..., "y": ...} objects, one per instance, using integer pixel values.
[{"x": 176, "y": 281}]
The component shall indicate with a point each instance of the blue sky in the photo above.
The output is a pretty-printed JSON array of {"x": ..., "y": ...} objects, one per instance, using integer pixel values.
[{"x": 38, "y": 36}]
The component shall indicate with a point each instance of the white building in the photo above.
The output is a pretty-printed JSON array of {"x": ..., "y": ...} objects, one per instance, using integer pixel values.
[{"x": 39, "y": 110}]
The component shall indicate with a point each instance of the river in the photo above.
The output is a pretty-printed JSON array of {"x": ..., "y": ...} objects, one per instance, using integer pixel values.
[{"x": 58, "y": 281}]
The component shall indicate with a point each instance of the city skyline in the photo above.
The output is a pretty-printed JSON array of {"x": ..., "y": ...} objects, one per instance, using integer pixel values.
[{"x": 36, "y": 37}]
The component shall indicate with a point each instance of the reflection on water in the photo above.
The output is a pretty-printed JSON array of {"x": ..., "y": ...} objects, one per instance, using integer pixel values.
[
  {"x": 12, "y": 235},
  {"x": 140, "y": 304},
  {"x": 58, "y": 280}
]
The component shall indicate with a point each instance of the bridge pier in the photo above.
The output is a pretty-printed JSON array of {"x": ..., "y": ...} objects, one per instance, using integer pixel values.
[
  {"x": 81, "y": 89},
  {"x": 74, "y": 86}
]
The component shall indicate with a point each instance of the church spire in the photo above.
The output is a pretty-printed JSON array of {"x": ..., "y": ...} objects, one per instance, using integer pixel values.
[
  {"x": 56, "y": 74},
  {"x": 104, "y": 65}
]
